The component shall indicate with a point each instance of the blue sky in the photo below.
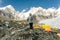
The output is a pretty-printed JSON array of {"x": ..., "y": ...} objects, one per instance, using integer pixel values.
[{"x": 27, "y": 4}]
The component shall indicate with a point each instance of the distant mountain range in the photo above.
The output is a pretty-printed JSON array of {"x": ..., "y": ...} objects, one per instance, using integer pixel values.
[{"x": 39, "y": 13}]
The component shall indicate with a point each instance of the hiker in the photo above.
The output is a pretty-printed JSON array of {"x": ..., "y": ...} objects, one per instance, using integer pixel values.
[{"x": 30, "y": 20}]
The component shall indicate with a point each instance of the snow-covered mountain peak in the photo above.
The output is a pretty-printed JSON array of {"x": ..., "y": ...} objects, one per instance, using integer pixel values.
[
  {"x": 8, "y": 12},
  {"x": 9, "y": 7}
]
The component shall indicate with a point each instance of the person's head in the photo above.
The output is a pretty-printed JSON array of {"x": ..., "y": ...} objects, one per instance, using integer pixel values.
[{"x": 30, "y": 14}]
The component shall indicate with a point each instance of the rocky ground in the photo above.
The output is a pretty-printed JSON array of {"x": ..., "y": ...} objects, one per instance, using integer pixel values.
[{"x": 21, "y": 32}]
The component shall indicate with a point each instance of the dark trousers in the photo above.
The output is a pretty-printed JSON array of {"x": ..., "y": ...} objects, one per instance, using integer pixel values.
[{"x": 31, "y": 25}]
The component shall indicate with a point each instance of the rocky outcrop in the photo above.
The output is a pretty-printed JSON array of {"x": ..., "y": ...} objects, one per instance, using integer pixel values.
[{"x": 19, "y": 32}]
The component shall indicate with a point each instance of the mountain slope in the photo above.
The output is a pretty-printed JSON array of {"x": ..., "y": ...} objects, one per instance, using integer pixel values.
[{"x": 8, "y": 13}]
